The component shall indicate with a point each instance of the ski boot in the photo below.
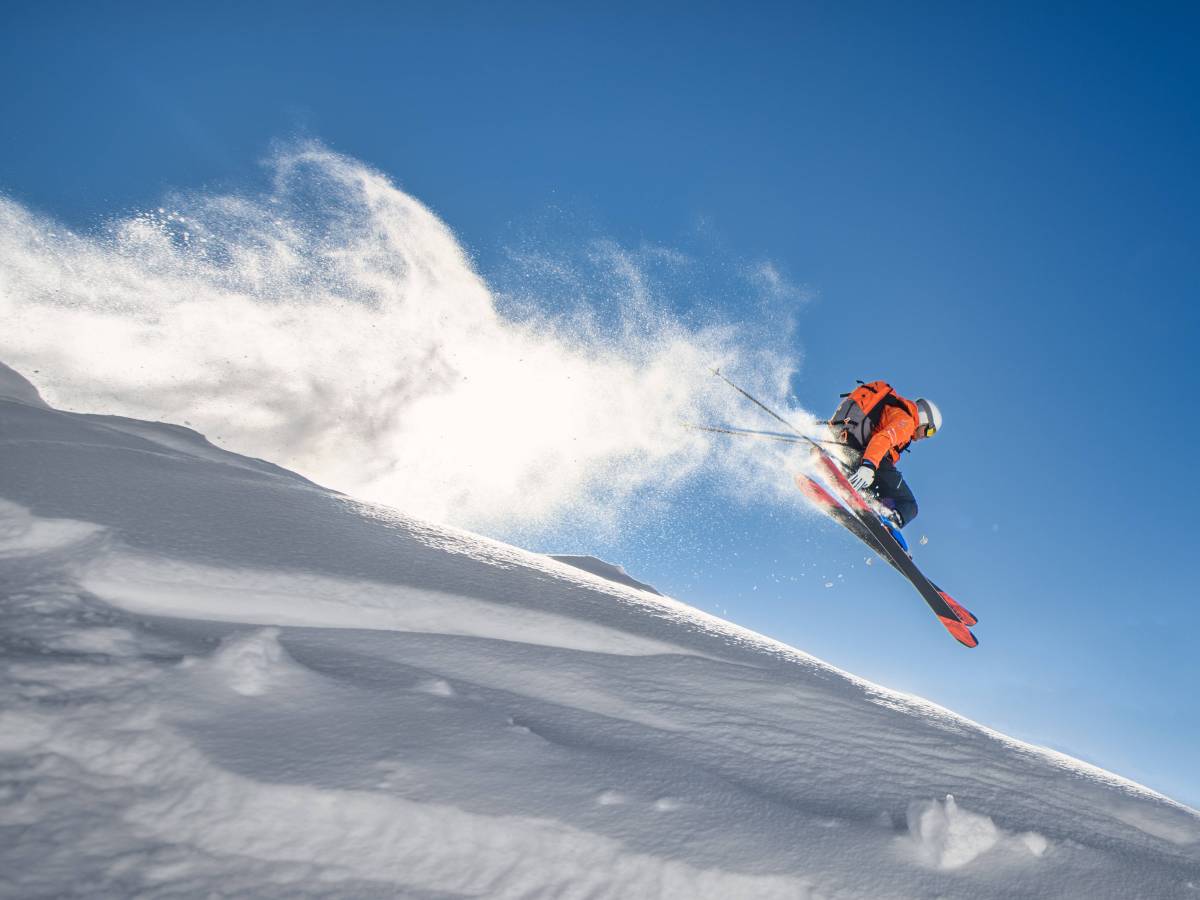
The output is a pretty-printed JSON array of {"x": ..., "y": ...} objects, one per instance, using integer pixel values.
[{"x": 891, "y": 521}]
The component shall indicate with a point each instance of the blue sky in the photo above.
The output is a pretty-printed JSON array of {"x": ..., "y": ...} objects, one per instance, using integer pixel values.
[{"x": 994, "y": 207}]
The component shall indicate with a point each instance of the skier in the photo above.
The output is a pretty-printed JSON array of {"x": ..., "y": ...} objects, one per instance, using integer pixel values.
[{"x": 878, "y": 424}]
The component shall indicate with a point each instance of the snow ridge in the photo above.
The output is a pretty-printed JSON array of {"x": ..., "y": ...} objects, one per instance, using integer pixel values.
[{"x": 216, "y": 677}]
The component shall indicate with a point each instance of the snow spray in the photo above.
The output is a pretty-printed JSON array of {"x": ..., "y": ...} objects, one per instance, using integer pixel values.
[{"x": 334, "y": 325}]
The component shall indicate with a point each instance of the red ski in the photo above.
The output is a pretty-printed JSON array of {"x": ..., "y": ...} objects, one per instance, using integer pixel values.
[
  {"x": 951, "y": 614},
  {"x": 825, "y": 501}
]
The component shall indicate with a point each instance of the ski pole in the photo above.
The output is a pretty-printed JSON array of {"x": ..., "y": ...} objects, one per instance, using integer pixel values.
[
  {"x": 761, "y": 405},
  {"x": 787, "y": 439},
  {"x": 746, "y": 432}
]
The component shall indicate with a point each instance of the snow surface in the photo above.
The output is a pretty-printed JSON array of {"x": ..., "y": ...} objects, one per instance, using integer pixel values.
[
  {"x": 604, "y": 570},
  {"x": 219, "y": 679}
]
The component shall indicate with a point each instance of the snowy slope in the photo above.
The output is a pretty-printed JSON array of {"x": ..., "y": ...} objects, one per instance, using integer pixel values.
[
  {"x": 220, "y": 679},
  {"x": 604, "y": 570}
]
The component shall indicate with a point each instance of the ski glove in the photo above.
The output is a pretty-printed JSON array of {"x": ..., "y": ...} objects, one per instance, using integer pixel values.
[{"x": 863, "y": 477}]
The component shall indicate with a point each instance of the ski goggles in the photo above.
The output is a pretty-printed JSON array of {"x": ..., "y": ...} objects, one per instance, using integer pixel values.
[{"x": 924, "y": 411}]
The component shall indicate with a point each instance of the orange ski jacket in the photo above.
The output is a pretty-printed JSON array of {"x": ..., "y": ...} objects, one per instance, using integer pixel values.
[{"x": 893, "y": 433}]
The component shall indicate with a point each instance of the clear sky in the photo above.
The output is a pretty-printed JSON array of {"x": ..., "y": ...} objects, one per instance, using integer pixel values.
[{"x": 994, "y": 207}]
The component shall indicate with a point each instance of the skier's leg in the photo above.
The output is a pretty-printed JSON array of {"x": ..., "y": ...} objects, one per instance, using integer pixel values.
[{"x": 893, "y": 491}]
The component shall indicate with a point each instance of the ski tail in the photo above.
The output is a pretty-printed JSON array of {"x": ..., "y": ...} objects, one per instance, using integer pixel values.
[
  {"x": 816, "y": 494},
  {"x": 841, "y": 483}
]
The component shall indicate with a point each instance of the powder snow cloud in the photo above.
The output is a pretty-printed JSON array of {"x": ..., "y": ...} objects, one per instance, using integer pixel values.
[{"x": 335, "y": 325}]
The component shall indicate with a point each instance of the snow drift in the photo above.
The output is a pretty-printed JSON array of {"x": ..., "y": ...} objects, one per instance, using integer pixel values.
[{"x": 219, "y": 678}]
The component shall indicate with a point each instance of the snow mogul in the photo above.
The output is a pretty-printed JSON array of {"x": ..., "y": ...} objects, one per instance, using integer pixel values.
[{"x": 877, "y": 425}]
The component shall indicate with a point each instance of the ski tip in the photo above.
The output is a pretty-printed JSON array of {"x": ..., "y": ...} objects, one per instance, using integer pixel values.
[
  {"x": 960, "y": 632},
  {"x": 964, "y": 615}
]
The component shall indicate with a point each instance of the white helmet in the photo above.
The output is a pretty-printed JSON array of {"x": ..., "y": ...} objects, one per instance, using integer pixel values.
[{"x": 929, "y": 418}]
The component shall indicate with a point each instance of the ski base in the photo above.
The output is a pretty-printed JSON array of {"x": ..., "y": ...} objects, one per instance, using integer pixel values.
[{"x": 865, "y": 525}]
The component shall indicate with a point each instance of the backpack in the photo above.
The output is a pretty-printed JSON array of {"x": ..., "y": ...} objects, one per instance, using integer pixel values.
[{"x": 860, "y": 411}]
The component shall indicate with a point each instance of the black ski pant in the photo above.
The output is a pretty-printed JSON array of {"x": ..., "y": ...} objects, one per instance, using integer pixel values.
[{"x": 892, "y": 490}]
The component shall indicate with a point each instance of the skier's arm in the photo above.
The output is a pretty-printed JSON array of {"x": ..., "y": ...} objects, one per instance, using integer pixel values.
[{"x": 896, "y": 427}]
